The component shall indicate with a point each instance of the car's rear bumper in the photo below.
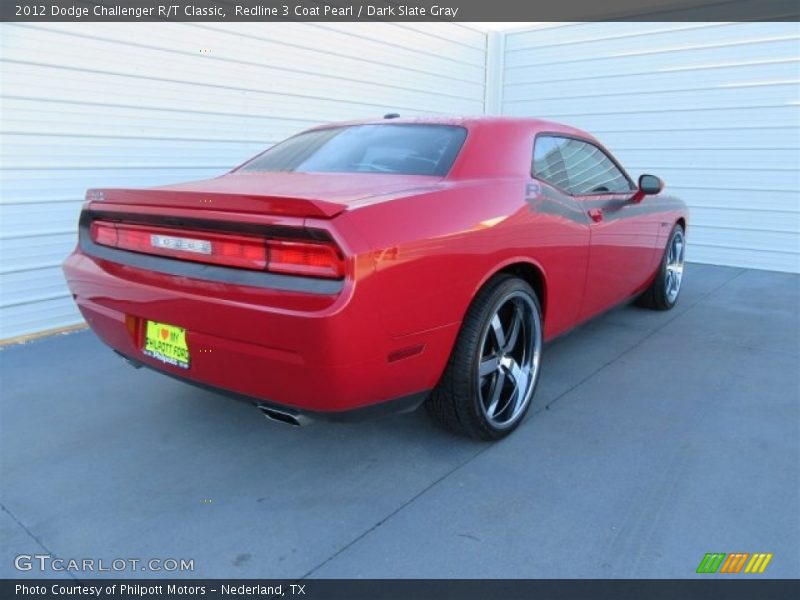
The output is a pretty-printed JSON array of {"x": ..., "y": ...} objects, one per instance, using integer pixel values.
[
  {"x": 307, "y": 353},
  {"x": 394, "y": 406}
]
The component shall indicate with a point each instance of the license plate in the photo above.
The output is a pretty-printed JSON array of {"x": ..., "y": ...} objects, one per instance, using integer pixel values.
[{"x": 166, "y": 343}]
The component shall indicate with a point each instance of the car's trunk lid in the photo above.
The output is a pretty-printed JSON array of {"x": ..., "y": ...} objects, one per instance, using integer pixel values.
[{"x": 321, "y": 195}]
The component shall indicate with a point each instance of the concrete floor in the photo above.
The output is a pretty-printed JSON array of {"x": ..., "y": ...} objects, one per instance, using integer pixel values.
[{"x": 654, "y": 438}]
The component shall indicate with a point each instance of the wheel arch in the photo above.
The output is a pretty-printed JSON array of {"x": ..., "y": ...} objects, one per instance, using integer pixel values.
[{"x": 529, "y": 271}]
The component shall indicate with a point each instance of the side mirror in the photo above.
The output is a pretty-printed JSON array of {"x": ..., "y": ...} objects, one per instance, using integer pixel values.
[{"x": 650, "y": 185}]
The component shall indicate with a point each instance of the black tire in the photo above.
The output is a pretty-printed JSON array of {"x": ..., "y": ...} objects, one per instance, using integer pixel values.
[
  {"x": 458, "y": 403},
  {"x": 657, "y": 296}
]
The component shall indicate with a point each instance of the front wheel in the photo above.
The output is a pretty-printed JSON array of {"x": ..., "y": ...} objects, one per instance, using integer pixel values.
[
  {"x": 663, "y": 292},
  {"x": 494, "y": 367}
]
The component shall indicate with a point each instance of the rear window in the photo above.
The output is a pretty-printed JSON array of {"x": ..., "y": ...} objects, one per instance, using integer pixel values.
[{"x": 405, "y": 149}]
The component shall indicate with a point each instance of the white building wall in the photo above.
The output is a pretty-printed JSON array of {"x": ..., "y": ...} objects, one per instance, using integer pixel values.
[
  {"x": 116, "y": 104},
  {"x": 714, "y": 109}
]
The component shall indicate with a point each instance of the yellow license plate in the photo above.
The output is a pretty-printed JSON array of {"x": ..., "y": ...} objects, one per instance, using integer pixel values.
[{"x": 166, "y": 343}]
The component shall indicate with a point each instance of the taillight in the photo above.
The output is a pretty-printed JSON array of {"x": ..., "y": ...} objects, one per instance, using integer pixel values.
[
  {"x": 301, "y": 258},
  {"x": 313, "y": 259}
]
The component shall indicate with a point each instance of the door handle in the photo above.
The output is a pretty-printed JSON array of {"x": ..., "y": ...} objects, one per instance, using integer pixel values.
[{"x": 595, "y": 214}]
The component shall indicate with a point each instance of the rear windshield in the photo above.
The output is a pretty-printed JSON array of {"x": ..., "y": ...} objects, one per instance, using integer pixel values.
[{"x": 406, "y": 149}]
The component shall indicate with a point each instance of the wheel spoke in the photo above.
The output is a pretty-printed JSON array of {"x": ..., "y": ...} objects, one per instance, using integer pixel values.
[
  {"x": 519, "y": 388},
  {"x": 497, "y": 387},
  {"x": 516, "y": 326},
  {"x": 509, "y": 397},
  {"x": 488, "y": 366},
  {"x": 499, "y": 334},
  {"x": 520, "y": 377}
]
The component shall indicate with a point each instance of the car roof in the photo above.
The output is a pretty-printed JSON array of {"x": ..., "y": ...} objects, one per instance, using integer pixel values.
[{"x": 468, "y": 122}]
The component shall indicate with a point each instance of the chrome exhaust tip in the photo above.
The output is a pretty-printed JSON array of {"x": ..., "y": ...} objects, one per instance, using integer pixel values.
[{"x": 282, "y": 416}]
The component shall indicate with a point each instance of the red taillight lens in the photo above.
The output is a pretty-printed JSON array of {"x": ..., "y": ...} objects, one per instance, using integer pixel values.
[
  {"x": 103, "y": 233},
  {"x": 313, "y": 259},
  {"x": 302, "y": 258}
]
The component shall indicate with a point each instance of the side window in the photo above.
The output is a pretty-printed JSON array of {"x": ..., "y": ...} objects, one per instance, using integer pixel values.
[
  {"x": 548, "y": 164},
  {"x": 578, "y": 167}
]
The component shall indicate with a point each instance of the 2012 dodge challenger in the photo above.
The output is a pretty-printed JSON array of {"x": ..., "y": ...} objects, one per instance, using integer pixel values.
[{"x": 372, "y": 266}]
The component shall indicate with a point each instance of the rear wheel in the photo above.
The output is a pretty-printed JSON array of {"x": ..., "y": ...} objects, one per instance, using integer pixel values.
[
  {"x": 663, "y": 292},
  {"x": 493, "y": 370}
]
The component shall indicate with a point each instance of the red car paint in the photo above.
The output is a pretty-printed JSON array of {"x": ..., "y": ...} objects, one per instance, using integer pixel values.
[{"x": 416, "y": 249}]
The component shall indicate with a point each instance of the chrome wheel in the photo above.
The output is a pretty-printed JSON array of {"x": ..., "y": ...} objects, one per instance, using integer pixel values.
[
  {"x": 509, "y": 356},
  {"x": 674, "y": 270}
]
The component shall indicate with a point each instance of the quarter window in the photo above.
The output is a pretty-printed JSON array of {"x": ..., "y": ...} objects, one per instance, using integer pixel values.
[{"x": 578, "y": 167}]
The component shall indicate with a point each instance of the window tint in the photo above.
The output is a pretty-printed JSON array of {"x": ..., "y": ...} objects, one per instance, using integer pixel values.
[
  {"x": 401, "y": 148},
  {"x": 577, "y": 167},
  {"x": 548, "y": 164}
]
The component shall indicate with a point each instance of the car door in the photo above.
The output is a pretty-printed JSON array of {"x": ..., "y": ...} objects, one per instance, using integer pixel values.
[{"x": 622, "y": 235}]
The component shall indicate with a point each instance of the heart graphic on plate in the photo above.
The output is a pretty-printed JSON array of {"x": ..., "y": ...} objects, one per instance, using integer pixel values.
[{"x": 164, "y": 333}]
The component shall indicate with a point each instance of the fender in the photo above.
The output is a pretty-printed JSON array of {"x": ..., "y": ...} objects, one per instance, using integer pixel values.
[{"x": 517, "y": 260}]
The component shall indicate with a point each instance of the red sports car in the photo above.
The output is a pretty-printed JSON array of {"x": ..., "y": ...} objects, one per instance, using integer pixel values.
[{"x": 364, "y": 267}]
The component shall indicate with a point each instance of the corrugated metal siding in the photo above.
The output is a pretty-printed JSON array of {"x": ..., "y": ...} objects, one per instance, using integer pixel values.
[
  {"x": 713, "y": 108},
  {"x": 133, "y": 104}
]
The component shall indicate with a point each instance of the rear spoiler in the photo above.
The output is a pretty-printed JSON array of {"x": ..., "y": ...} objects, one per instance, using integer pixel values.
[{"x": 248, "y": 203}]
